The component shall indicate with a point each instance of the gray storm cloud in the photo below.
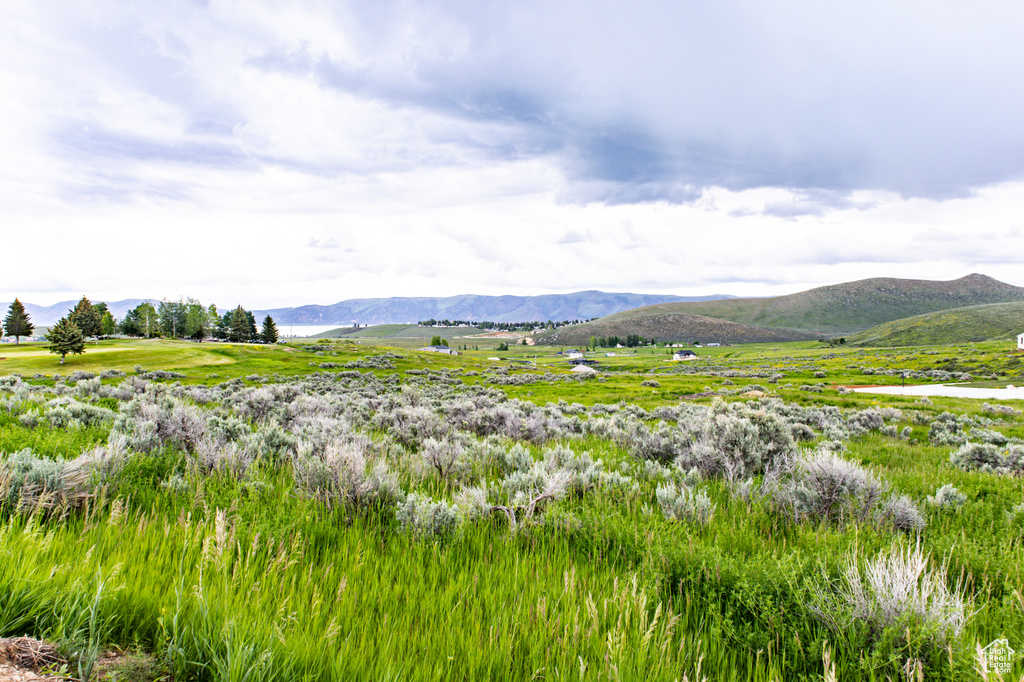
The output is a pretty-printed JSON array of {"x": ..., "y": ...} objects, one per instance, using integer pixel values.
[{"x": 635, "y": 103}]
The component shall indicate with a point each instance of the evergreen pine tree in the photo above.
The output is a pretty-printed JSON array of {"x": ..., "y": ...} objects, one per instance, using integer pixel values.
[
  {"x": 86, "y": 318},
  {"x": 269, "y": 333},
  {"x": 222, "y": 328},
  {"x": 17, "y": 322},
  {"x": 253, "y": 334},
  {"x": 65, "y": 337},
  {"x": 238, "y": 331}
]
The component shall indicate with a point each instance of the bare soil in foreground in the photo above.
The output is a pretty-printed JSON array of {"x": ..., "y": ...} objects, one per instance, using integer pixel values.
[{"x": 23, "y": 658}]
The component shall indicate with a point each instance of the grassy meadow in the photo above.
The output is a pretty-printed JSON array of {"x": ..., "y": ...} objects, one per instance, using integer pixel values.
[{"x": 350, "y": 509}]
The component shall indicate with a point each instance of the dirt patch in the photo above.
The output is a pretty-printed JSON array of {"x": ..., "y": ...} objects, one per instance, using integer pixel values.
[
  {"x": 128, "y": 666},
  {"x": 498, "y": 335},
  {"x": 23, "y": 659}
]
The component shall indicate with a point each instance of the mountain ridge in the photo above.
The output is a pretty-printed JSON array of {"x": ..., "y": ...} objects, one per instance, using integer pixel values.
[
  {"x": 472, "y": 307},
  {"x": 849, "y": 307},
  {"x": 396, "y": 310},
  {"x": 47, "y": 315},
  {"x": 833, "y": 310}
]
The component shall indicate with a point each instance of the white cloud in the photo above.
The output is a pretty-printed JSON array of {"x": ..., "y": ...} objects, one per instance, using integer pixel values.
[{"x": 282, "y": 154}]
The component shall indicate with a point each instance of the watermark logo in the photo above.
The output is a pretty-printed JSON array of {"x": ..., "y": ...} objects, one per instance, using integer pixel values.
[{"x": 998, "y": 656}]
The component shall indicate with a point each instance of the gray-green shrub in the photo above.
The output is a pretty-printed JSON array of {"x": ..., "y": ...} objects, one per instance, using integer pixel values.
[
  {"x": 947, "y": 497},
  {"x": 682, "y": 503},
  {"x": 989, "y": 458},
  {"x": 900, "y": 514},
  {"x": 427, "y": 519},
  {"x": 899, "y": 589},
  {"x": 341, "y": 475},
  {"x": 946, "y": 430}
]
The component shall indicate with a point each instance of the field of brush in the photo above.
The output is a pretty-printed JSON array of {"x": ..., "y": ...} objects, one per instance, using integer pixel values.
[{"x": 340, "y": 511}]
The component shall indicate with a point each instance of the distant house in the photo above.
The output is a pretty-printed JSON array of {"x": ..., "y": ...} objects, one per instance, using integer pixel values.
[
  {"x": 1020, "y": 342},
  {"x": 711, "y": 345},
  {"x": 684, "y": 355},
  {"x": 574, "y": 353},
  {"x": 583, "y": 369},
  {"x": 440, "y": 349}
]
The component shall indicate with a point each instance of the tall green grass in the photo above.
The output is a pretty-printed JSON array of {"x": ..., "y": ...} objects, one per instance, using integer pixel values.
[
  {"x": 246, "y": 580},
  {"x": 349, "y": 601}
]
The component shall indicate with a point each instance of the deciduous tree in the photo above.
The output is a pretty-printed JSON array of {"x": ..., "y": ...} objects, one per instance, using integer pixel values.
[
  {"x": 173, "y": 318},
  {"x": 197, "y": 320},
  {"x": 107, "y": 324}
]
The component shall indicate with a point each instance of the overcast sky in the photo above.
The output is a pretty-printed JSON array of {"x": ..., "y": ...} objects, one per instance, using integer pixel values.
[{"x": 281, "y": 153}]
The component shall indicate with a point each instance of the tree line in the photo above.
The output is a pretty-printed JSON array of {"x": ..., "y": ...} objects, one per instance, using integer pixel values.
[
  {"x": 501, "y": 326},
  {"x": 181, "y": 319},
  {"x": 190, "y": 319},
  {"x": 631, "y": 341}
]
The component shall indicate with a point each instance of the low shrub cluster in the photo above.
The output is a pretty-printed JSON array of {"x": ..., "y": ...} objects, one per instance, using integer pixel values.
[
  {"x": 822, "y": 486},
  {"x": 685, "y": 503},
  {"x": 989, "y": 458}
]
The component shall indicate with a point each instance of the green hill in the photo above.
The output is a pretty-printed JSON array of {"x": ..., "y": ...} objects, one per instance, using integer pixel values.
[
  {"x": 668, "y": 326},
  {"x": 397, "y": 331},
  {"x": 377, "y": 331},
  {"x": 835, "y": 310},
  {"x": 959, "y": 325},
  {"x": 854, "y": 306}
]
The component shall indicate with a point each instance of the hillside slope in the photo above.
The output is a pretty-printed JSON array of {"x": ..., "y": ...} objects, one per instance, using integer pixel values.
[
  {"x": 959, "y": 325},
  {"x": 842, "y": 309},
  {"x": 669, "y": 326}
]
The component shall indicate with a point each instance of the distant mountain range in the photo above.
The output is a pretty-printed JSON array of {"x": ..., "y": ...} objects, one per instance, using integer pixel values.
[
  {"x": 45, "y": 316},
  {"x": 881, "y": 311},
  {"x": 581, "y": 305}
]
